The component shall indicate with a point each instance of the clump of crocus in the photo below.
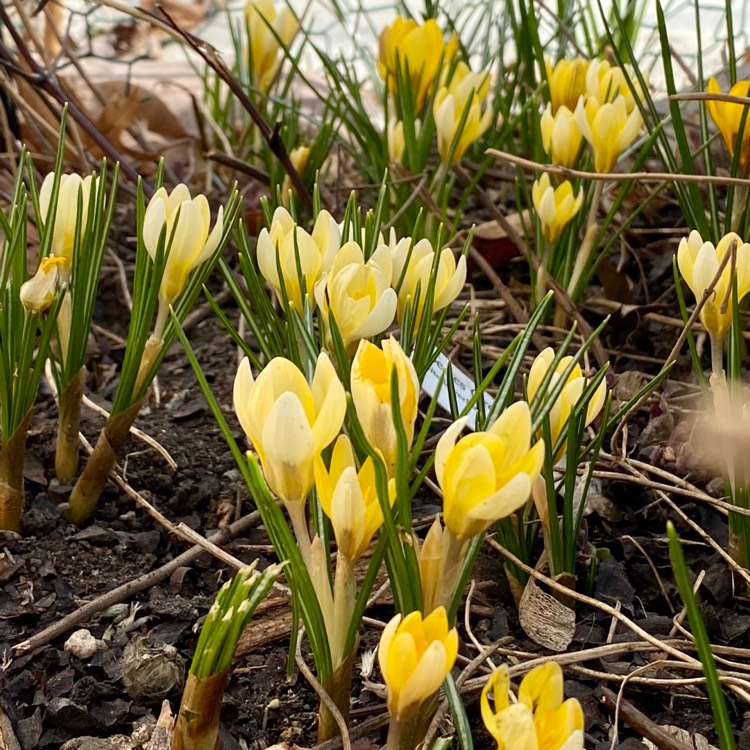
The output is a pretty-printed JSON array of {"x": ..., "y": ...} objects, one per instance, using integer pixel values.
[
  {"x": 197, "y": 725},
  {"x": 540, "y": 719},
  {"x": 280, "y": 403},
  {"x": 358, "y": 293},
  {"x": 566, "y": 81},
  {"x": 728, "y": 118},
  {"x": 372, "y": 370},
  {"x": 461, "y": 113},
  {"x": 267, "y": 30},
  {"x": 555, "y": 206},
  {"x": 416, "y": 270},
  {"x": 561, "y": 135},
  {"x": 415, "y": 655},
  {"x": 484, "y": 476},
  {"x": 303, "y": 257},
  {"x": 414, "y": 54}
]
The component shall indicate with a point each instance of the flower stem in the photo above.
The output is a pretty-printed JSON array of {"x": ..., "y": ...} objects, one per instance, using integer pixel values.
[{"x": 584, "y": 254}]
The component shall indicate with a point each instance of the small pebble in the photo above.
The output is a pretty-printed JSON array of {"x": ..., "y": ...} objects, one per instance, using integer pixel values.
[{"x": 81, "y": 644}]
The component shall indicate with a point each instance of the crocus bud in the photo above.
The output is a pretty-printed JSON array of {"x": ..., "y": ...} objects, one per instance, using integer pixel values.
[
  {"x": 415, "y": 656},
  {"x": 561, "y": 136},
  {"x": 188, "y": 242},
  {"x": 288, "y": 421},
  {"x": 569, "y": 396},
  {"x": 38, "y": 292},
  {"x": 465, "y": 91},
  {"x": 608, "y": 128},
  {"x": 395, "y": 138},
  {"x": 66, "y": 215},
  {"x": 265, "y": 27},
  {"x": 349, "y": 498},
  {"x": 699, "y": 262},
  {"x": 567, "y": 82},
  {"x": 371, "y": 374},
  {"x": 555, "y": 206},
  {"x": 486, "y": 476},
  {"x": 297, "y": 251}
]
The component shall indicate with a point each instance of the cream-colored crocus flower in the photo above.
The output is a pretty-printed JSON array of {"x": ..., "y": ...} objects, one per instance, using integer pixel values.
[
  {"x": 66, "y": 214},
  {"x": 608, "y": 128},
  {"x": 606, "y": 82},
  {"x": 561, "y": 136},
  {"x": 288, "y": 421},
  {"x": 486, "y": 476},
  {"x": 569, "y": 396},
  {"x": 394, "y": 134},
  {"x": 349, "y": 498},
  {"x": 287, "y": 241},
  {"x": 185, "y": 222},
  {"x": 298, "y": 157},
  {"x": 555, "y": 206},
  {"x": 566, "y": 81},
  {"x": 38, "y": 292},
  {"x": 415, "y": 656},
  {"x": 371, "y": 374},
  {"x": 413, "y": 264},
  {"x": 464, "y": 91},
  {"x": 699, "y": 262},
  {"x": 415, "y": 52},
  {"x": 358, "y": 293},
  {"x": 265, "y": 27},
  {"x": 540, "y": 720},
  {"x": 728, "y": 118}
]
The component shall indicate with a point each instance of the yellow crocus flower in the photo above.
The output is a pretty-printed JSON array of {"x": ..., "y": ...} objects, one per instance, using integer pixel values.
[
  {"x": 287, "y": 241},
  {"x": 561, "y": 135},
  {"x": 608, "y": 128},
  {"x": 540, "y": 720},
  {"x": 699, "y": 262},
  {"x": 265, "y": 27},
  {"x": 412, "y": 268},
  {"x": 349, "y": 498},
  {"x": 358, "y": 293},
  {"x": 606, "y": 82},
  {"x": 571, "y": 392},
  {"x": 186, "y": 222},
  {"x": 728, "y": 118},
  {"x": 394, "y": 134},
  {"x": 371, "y": 374},
  {"x": 555, "y": 206},
  {"x": 288, "y": 421},
  {"x": 66, "y": 214},
  {"x": 486, "y": 476},
  {"x": 298, "y": 157},
  {"x": 418, "y": 51},
  {"x": 465, "y": 90},
  {"x": 38, "y": 292},
  {"x": 415, "y": 656},
  {"x": 566, "y": 81}
]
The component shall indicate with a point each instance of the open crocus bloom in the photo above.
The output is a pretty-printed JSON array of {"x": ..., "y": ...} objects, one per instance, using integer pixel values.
[
  {"x": 288, "y": 421},
  {"x": 486, "y": 476},
  {"x": 541, "y": 720},
  {"x": 415, "y": 657},
  {"x": 561, "y": 136},
  {"x": 555, "y": 206},
  {"x": 699, "y": 263}
]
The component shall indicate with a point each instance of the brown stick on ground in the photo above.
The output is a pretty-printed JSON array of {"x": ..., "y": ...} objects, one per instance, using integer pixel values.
[
  {"x": 132, "y": 587},
  {"x": 637, "y": 720}
]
